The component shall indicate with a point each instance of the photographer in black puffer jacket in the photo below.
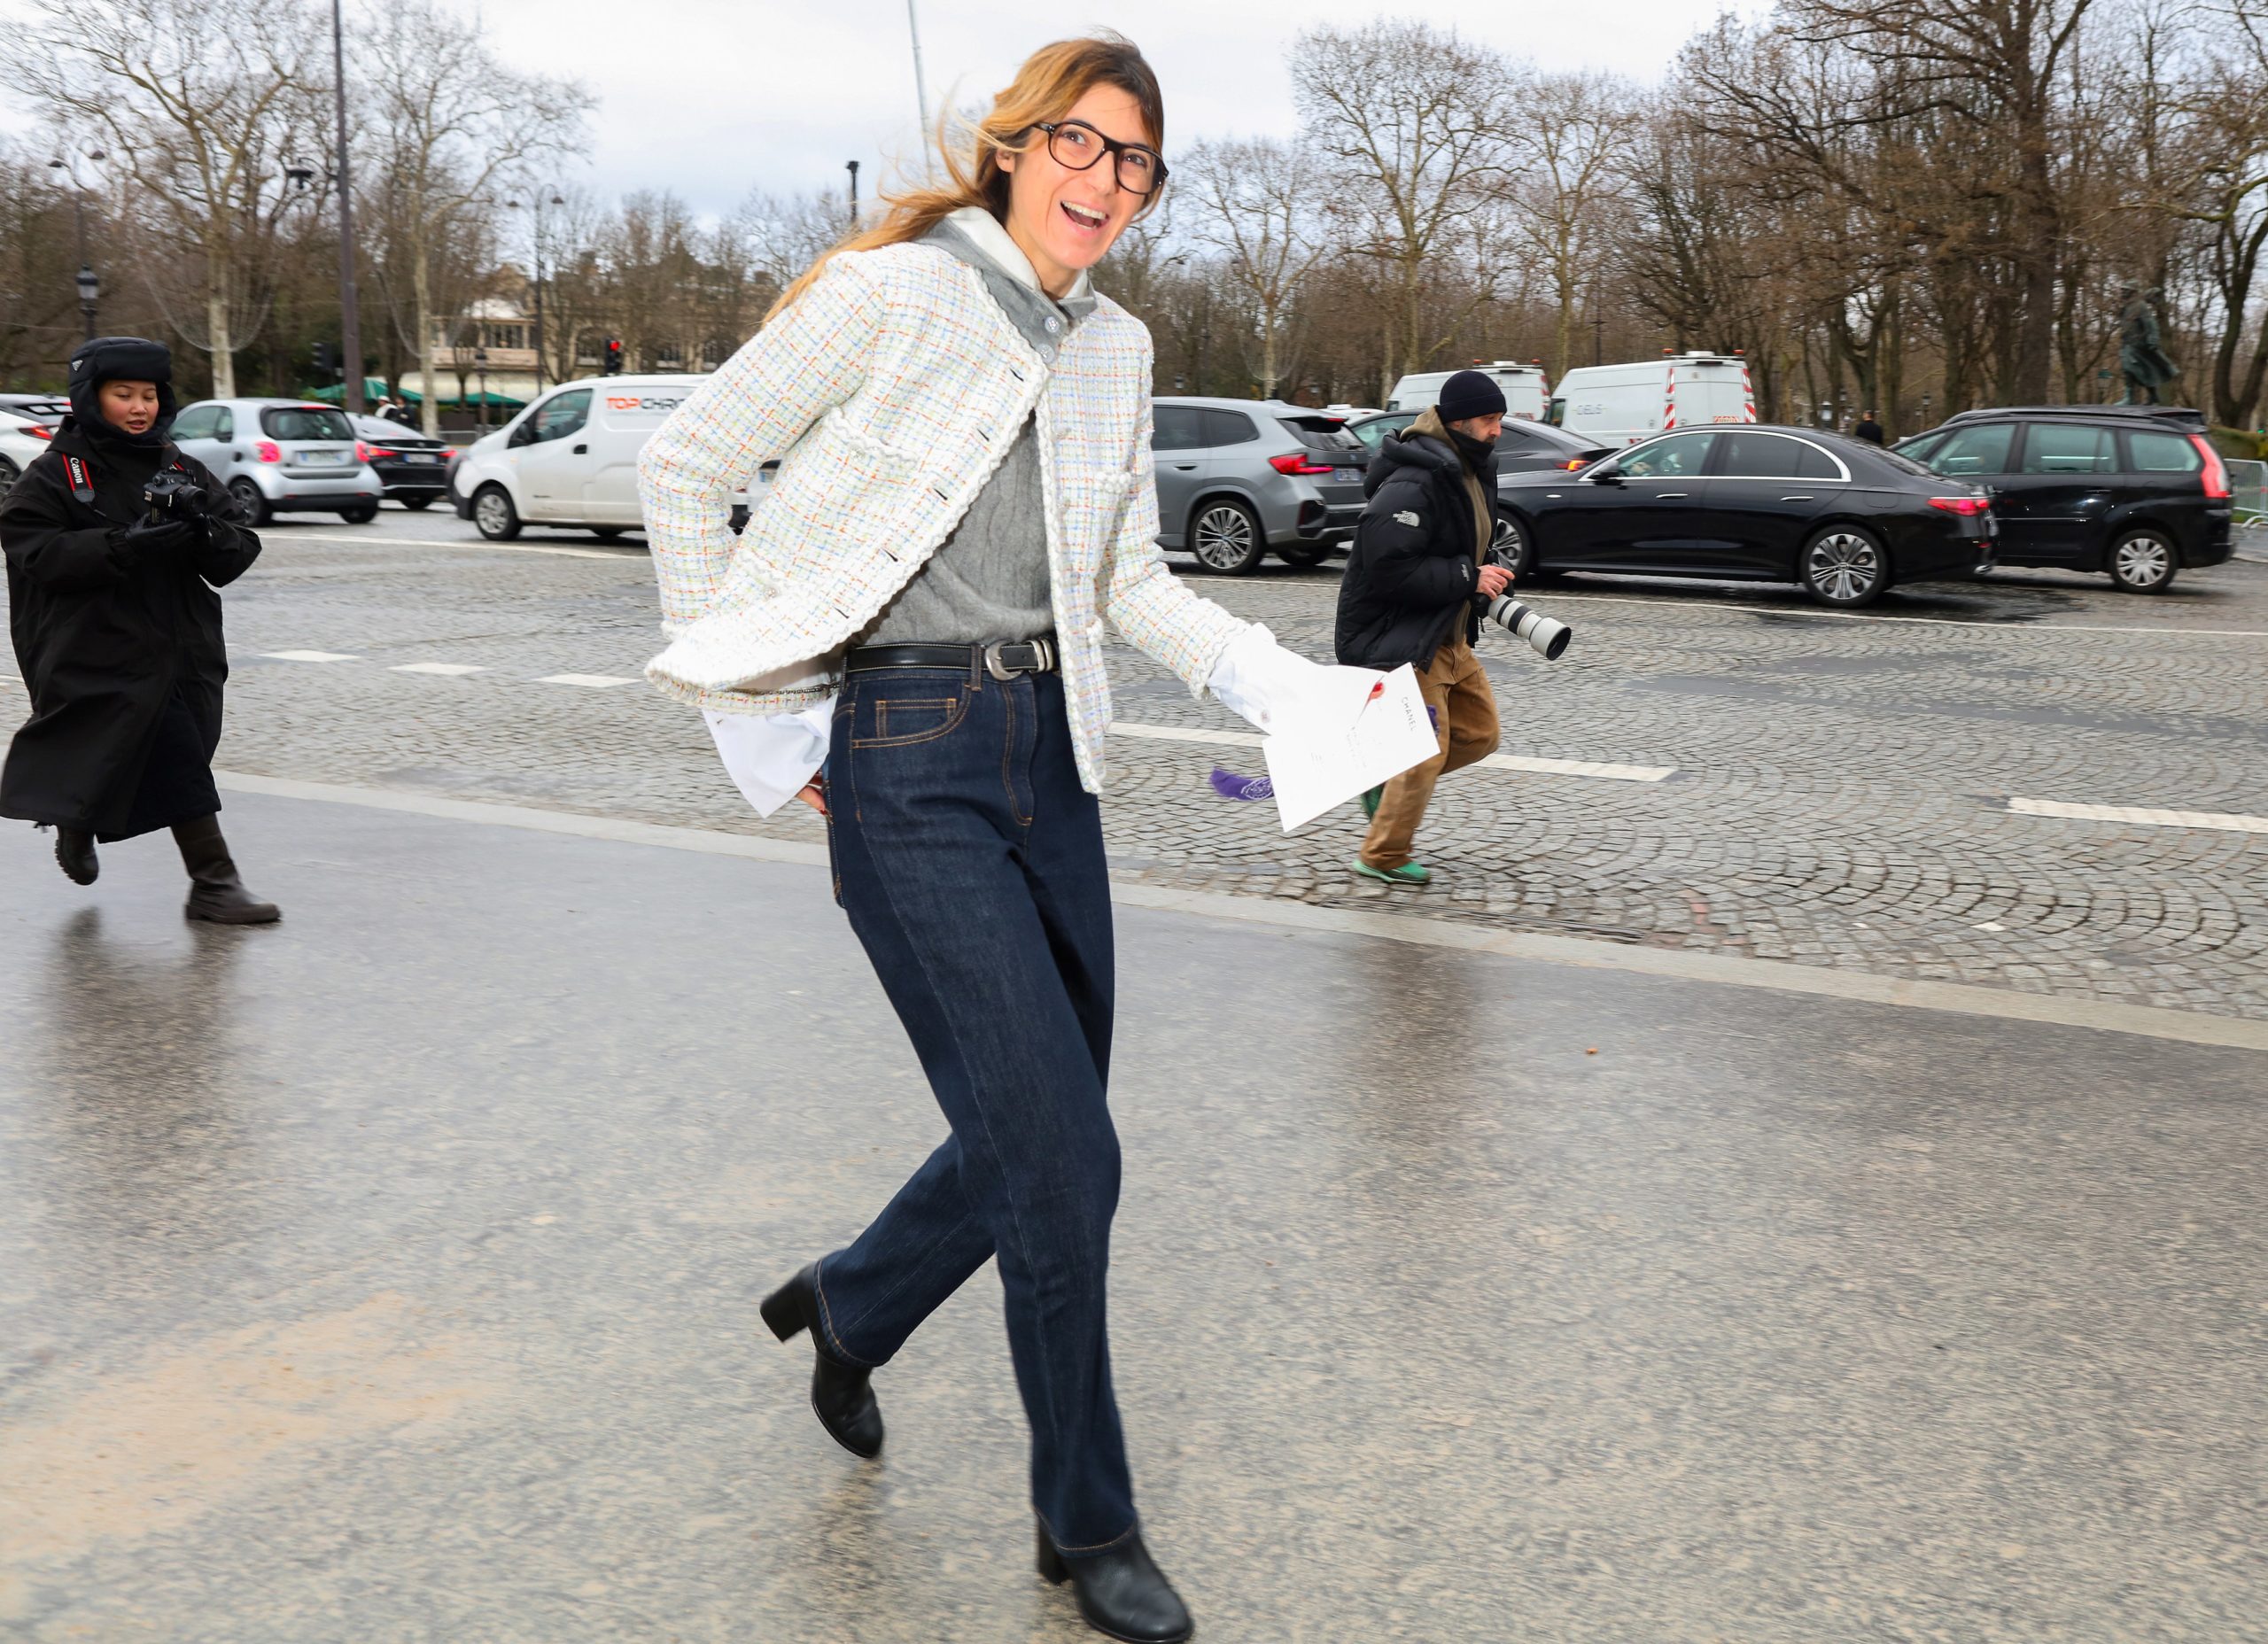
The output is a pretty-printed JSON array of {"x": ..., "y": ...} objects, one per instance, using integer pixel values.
[
  {"x": 115, "y": 543},
  {"x": 1416, "y": 585}
]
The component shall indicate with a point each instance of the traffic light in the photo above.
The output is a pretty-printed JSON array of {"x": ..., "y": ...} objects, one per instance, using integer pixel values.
[
  {"x": 326, "y": 359},
  {"x": 613, "y": 366}
]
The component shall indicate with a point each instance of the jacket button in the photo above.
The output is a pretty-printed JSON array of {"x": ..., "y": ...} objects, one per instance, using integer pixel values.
[
  {"x": 1047, "y": 355},
  {"x": 1054, "y": 325}
]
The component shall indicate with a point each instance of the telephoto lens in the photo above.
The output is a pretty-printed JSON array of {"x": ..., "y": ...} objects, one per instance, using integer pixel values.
[{"x": 1526, "y": 623}]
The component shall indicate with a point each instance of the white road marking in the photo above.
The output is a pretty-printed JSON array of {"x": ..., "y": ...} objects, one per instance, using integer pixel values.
[
  {"x": 1581, "y": 767},
  {"x": 438, "y": 542},
  {"x": 310, "y": 657},
  {"x": 451, "y": 669},
  {"x": 1501, "y": 762},
  {"x": 588, "y": 681},
  {"x": 2141, "y": 816}
]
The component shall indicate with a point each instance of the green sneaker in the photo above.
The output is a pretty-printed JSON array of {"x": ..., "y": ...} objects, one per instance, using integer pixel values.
[
  {"x": 1408, "y": 873},
  {"x": 1370, "y": 798}
]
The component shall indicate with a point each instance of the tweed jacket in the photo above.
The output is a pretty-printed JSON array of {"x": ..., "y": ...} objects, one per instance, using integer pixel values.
[{"x": 890, "y": 391}]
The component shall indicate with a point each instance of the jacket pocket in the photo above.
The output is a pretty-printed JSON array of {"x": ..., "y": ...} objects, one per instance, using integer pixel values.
[{"x": 1089, "y": 504}]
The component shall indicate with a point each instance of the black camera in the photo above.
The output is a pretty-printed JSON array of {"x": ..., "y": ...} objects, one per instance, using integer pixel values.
[
  {"x": 170, "y": 495},
  {"x": 1525, "y": 622}
]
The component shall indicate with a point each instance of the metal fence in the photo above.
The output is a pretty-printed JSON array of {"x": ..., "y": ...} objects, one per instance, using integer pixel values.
[{"x": 2248, "y": 484}]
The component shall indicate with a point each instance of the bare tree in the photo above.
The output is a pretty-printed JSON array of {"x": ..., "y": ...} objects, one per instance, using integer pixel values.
[
  {"x": 447, "y": 126},
  {"x": 198, "y": 110},
  {"x": 1416, "y": 125},
  {"x": 1253, "y": 203},
  {"x": 1581, "y": 127}
]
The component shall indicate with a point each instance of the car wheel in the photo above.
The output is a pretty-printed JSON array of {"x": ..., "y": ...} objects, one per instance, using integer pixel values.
[
  {"x": 1844, "y": 566},
  {"x": 1519, "y": 547},
  {"x": 607, "y": 533},
  {"x": 1304, "y": 554},
  {"x": 361, "y": 515},
  {"x": 493, "y": 515},
  {"x": 2142, "y": 562},
  {"x": 1226, "y": 538},
  {"x": 251, "y": 501},
  {"x": 9, "y": 475},
  {"x": 417, "y": 504}
]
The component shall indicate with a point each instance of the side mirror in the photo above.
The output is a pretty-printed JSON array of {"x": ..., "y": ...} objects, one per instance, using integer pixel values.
[
  {"x": 1605, "y": 474},
  {"x": 523, "y": 435}
]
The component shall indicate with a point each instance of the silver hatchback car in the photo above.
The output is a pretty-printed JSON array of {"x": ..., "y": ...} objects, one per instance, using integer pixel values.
[
  {"x": 1238, "y": 479},
  {"x": 282, "y": 457}
]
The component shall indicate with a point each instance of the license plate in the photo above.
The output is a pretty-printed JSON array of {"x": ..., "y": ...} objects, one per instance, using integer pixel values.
[
  {"x": 324, "y": 459},
  {"x": 1346, "y": 476},
  {"x": 420, "y": 456}
]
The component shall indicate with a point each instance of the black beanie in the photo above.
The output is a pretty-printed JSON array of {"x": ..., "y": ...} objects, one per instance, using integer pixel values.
[
  {"x": 1471, "y": 394},
  {"x": 116, "y": 358}
]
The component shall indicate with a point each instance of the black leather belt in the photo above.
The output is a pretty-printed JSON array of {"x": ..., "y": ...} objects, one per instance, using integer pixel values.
[{"x": 1004, "y": 659}]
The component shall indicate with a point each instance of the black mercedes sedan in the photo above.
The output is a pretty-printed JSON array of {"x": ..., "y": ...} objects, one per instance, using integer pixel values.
[
  {"x": 1751, "y": 502},
  {"x": 412, "y": 469}
]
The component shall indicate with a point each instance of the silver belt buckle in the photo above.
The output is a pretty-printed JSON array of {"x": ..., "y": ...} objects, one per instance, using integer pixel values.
[{"x": 1042, "y": 657}]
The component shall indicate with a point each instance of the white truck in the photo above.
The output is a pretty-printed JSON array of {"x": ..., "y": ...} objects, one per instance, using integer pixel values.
[
  {"x": 1621, "y": 405},
  {"x": 1524, "y": 385}
]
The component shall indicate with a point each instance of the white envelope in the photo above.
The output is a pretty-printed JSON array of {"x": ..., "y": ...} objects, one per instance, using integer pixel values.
[{"x": 1358, "y": 729}]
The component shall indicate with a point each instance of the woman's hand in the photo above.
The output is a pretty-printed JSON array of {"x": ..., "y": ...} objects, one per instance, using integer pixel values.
[{"x": 814, "y": 795}]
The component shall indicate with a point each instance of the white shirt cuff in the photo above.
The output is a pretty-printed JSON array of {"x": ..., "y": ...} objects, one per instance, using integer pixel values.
[
  {"x": 1260, "y": 680},
  {"x": 771, "y": 758}
]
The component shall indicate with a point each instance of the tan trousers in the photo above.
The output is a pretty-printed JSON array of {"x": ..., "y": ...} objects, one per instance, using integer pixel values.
[{"x": 1465, "y": 719}]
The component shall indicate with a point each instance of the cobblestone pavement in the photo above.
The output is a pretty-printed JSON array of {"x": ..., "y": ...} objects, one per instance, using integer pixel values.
[{"x": 1840, "y": 796}]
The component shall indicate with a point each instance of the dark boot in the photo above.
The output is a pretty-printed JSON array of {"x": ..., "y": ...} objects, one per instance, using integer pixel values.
[
  {"x": 74, "y": 854},
  {"x": 215, "y": 893},
  {"x": 840, "y": 1396},
  {"x": 1121, "y": 1594}
]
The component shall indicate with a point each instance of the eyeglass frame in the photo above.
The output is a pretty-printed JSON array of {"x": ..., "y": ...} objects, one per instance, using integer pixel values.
[{"x": 1111, "y": 146}]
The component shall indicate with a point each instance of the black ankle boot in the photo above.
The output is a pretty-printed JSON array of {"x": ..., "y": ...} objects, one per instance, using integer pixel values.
[
  {"x": 1121, "y": 1594},
  {"x": 215, "y": 893},
  {"x": 840, "y": 1396},
  {"x": 74, "y": 854}
]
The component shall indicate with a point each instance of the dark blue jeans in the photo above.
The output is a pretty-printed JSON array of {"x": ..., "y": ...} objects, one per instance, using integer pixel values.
[{"x": 970, "y": 862}]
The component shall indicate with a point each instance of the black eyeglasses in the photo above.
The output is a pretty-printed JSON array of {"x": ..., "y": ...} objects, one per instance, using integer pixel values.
[{"x": 1076, "y": 147}]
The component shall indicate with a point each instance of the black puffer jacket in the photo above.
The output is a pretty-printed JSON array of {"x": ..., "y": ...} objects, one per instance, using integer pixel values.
[{"x": 1413, "y": 573}]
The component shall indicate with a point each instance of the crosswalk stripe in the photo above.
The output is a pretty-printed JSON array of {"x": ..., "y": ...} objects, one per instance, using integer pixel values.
[
  {"x": 311, "y": 656},
  {"x": 1501, "y": 762},
  {"x": 449, "y": 669},
  {"x": 588, "y": 681},
  {"x": 2141, "y": 816}
]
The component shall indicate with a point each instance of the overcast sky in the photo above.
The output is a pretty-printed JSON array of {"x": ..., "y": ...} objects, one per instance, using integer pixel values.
[{"x": 713, "y": 96}]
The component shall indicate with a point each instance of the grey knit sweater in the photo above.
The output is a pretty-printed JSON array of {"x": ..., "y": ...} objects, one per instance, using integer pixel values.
[{"x": 989, "y": 579}]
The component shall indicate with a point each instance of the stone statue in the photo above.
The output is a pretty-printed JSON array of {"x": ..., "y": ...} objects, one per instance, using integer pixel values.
[{"x": 2142, "y": 358}]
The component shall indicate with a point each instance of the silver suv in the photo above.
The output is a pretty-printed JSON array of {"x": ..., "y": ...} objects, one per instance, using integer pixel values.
[
  {"x": 1240, "y": 478},
  {"x": 279, "y": 457}
]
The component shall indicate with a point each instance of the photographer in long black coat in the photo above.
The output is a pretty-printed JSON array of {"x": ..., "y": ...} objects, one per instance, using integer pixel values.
[{"x": 115, "y": 543}]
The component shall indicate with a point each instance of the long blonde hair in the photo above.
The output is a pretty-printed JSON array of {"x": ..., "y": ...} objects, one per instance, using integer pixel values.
[{"x": 1051, "y": 80}]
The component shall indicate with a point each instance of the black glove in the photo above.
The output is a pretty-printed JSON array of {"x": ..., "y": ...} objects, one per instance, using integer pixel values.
[{"x": 166, "y": 534}]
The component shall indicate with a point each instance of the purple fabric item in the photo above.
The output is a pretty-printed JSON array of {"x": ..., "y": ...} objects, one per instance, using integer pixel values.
[{"x": 1228, "y": 785}]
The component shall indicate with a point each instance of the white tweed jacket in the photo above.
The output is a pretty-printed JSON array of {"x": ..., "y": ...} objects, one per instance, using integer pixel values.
[{"x": 890, "y": 391}]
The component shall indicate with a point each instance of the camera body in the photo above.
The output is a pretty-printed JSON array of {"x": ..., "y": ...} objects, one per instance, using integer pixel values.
[
  {"x": 171, "y": 495},
  {"x": 1548, "y": 637}
]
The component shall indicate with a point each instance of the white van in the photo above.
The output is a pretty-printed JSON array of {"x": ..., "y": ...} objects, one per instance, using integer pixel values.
[
  {"x": 1524, "y": 385},
  {"x": 1621, "y": 405},
  {"x": 571, "y": 458}
]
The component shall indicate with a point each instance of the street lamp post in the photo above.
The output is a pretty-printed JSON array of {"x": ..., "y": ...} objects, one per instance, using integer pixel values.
[
  {"x": 480, "y": 364},
  {"x": 349, "y": 324},
  {"x": 556, "y": 199},
  {"x": 852, "y": 166},
  {"x": 91, "y": 288}
]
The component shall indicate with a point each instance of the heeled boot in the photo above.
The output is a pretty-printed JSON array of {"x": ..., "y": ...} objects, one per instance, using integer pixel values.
[
  {"x": 74, "y": 854},
  {"x": 215, "y": 893},
  {"x": 1121, "y": 1594},
  {"x": 840, "y": 1396}
]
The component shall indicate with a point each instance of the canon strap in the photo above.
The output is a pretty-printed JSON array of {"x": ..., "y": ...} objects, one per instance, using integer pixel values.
[{"x": 83, "y": 484}]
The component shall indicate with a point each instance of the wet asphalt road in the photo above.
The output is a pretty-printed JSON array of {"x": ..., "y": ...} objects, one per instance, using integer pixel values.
[{"x": 389, "y": 1275}]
